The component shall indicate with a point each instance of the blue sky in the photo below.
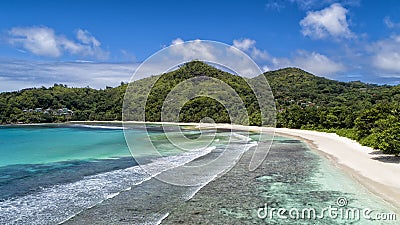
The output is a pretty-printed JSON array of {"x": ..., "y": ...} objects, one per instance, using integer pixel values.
[{"x": 99, "y": 43}]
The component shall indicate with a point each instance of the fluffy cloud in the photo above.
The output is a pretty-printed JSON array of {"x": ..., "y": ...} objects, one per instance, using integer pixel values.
[
  {"x": 244, "y": 44},
  {"x": 317, "y": 63},
  {"x": 38, "y": 40},
  {"x": 177, "y": 41},
  {"x": 196, "y": 49},
  {"x": 248, "y": 45},
  {"x": 312, "y": 62},
  {"x": 386, "y": 54},
  {"x": 327, "y": 22},
  {"x": 85, "y": 37},
  {"x": 43, "y": 41}
]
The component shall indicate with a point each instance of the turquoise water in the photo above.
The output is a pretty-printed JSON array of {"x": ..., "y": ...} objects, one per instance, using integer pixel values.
[
  {"x": 309, "y": 180},
  {"x": 332, "y": 179},
  {"x": 49, "y": 173},
  {"x": 46, "y": 144}
]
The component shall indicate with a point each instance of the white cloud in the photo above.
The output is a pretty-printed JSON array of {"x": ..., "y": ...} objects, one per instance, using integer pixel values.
[
  {"x": 308, "y": 4},
  {"x": 259, "y": 54},
  {"x": 312, "y": 62},
  {"x": 212, "y": 52},
  {"x": 177, "y": 41},
  {"x": 389, "y": 23},
  {"x": 317, "y": 63},
  {"x": 192, "y": 50},
  {"x": 16, "y": 75},
  {"x": 43, "y": 41},
  {"x": 327, "y": 22},
  {"x": 38, "y": 40},
  {"x": 244, "y": 44},
  {"x": 248, "y": 45},
  {"x": 278, "y": 63},
  {"x": 386, "y": 54},
  {"x": 85, "y": 37},
  {"x": 275, "y": 5},
  {"x": 265, "y": 68}
]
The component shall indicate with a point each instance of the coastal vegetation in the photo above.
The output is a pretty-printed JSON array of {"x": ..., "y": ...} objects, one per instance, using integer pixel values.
[
  {"x": 30, "y": 105},
  {"x": 368, "y": 113}
]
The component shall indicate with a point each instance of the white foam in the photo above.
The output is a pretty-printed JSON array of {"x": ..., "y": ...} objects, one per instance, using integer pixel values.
[
  {"x": 162, "y": 218},
  {"x": 112, "y": 195},
  {"x": 241, "y": 137},
  {"x": 99, "y": 126},
  {"x": 197, "y": 189},
  {"x": 62, "y": 202}
]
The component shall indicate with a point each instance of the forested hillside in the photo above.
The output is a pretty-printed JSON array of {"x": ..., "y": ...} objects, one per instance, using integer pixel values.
[
  {"x": 365, "y": 112},
  {"x": 323, "y": 103},
  {"x": 198, "y": 77},
  {"x": 45, "y": 105}
]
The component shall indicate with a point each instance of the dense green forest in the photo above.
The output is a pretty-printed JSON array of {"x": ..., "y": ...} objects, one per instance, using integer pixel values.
[
  {"x": 367, "y": 113},
  {"x": 42, "y": 105},
  {"x": 205, "y": 79}
]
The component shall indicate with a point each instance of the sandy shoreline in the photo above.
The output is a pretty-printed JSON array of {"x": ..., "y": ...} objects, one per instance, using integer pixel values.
[{"x": 357, "y": 161}]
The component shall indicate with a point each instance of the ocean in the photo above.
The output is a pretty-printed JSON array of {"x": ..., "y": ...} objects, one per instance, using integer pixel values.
[{"x": 50, "y": 174}]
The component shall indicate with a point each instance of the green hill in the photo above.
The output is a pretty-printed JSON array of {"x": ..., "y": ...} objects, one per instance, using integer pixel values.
[
  {"x": 368, "y": 113},
  {"x": 324, "y": 103},
  {"x": 209, "y": 78}
]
